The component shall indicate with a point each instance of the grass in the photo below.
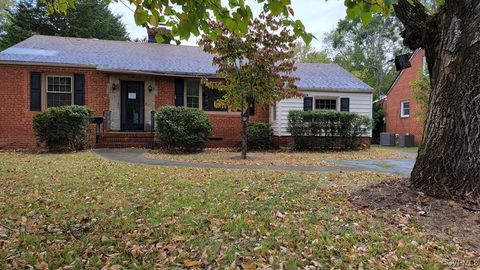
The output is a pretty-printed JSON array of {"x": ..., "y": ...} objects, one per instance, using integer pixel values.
[
  {"x": 280, "y": 158},
  {"x": 384, "y": 164},
  {"x": 412, "y": 150},
  {"x": 79, "y": 211}
]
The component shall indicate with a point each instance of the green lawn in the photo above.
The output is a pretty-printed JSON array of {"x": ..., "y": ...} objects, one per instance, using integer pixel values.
[
  {"x": 81, "y": 211},
  {"x": 413, "y": 150}
]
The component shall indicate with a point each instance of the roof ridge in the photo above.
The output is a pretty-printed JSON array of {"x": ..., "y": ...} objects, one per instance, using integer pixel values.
[{"x": 113, "y": 40}]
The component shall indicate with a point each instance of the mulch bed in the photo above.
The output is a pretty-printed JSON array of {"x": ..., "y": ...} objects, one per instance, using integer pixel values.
[{"x": 443, "y": 218}]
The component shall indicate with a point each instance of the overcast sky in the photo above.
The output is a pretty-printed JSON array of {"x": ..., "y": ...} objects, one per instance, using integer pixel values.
[{"x": 318, "y": 16}]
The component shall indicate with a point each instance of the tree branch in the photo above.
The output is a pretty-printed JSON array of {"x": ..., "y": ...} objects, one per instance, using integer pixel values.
[{"x": 415, "y": 18}]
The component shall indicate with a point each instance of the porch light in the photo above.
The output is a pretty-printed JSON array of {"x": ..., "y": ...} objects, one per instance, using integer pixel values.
[
  {"x": 114, "y": 86},
  {"x": 150, "y": 88}
]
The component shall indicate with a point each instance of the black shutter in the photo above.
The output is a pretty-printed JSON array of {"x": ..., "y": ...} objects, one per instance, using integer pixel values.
[
  {"x": 179, "y": 92},
  {"x": 345, "y": 104},
  {"x": 79, "y": 89},
  {"x": 308, "y": 103},
  {"x": 35, "y": 91}
]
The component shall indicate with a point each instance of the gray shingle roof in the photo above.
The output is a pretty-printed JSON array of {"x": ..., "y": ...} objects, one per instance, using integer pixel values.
[{"x": 124, "y": 56}]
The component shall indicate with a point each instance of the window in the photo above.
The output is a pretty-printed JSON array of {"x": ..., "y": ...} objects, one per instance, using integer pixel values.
[
  {"x": 325, "y": 104},
  {"x": 405, "y": 109},
  {"x": 199, "y": 96},
  {"x": 209, "y": 96},
  {"x": 59, "y": 91},
  {"x": 192, "y": 94},
  {"x": 424, "y": 66}
]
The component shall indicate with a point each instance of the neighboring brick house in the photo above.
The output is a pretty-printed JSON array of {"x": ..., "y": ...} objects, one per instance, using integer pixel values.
[
  {"x": 126, "y": 81},
  {"x": 399, "y": 104}
]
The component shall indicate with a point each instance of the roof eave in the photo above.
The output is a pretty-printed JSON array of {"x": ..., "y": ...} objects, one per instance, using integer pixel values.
[
  {"x": 170, "y": 74},
  {"x": 48, "y": 64},
  {"x": 341, "y": 90}
]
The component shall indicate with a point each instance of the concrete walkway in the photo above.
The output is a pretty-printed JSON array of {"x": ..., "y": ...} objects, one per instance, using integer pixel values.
[{"x": 401, "y": 167}]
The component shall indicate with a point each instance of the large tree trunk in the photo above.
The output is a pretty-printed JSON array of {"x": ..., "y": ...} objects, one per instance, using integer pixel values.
[{"x": 448, "y": 162}]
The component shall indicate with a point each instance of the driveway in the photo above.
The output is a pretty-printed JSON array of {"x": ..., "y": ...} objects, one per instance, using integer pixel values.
[{"x": 401, "y": 167}]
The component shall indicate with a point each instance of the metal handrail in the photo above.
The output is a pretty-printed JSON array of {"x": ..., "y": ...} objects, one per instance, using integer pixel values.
[{"x": 107, "y": 115}]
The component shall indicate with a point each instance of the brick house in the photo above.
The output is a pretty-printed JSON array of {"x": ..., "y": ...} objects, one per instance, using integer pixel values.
[
  {"x": 126, "y": 81},
  {"x": 399, "y": 104}
]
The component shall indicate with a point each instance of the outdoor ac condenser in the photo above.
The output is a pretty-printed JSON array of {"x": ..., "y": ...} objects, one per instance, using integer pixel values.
[
  {"x": 406, "y": 141},
  {"x": 387, "y": 139}
]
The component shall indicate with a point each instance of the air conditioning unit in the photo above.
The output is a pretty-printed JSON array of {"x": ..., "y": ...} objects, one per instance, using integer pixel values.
[
  {"x": 406, "y": 141},
  {"x": 387, "y": 139}
]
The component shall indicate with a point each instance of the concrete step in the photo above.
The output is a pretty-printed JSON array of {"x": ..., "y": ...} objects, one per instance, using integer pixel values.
[
  {"x": 124, "y": 145},
  {"x": 114, "y": 139}
]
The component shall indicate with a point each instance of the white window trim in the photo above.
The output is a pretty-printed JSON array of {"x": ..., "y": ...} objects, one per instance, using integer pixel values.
[
  {"x": 401, "y": 109},
  {"x": 45, "y": 85},
  {"x": 424, "y": 65},
  {"x": 200, "y": 94},
  {"x": 200, "y": 99},
  {"x": 273, "y": 112},
  {"x": 337, "y": 103}
]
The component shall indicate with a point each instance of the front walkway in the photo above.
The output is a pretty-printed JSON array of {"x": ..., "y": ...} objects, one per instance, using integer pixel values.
[{"x": 401, "y": 167}]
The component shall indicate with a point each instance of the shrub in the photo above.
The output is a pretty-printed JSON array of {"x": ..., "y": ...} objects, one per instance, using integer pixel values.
[
  {"x": 260, "y": 135},
  {"x": 184, "y": 129},
  {"x": 347, "y": 127},
  {"x": 63, "y": 128}
]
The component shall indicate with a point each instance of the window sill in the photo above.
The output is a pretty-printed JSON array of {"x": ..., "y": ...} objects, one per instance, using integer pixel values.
[
  {"x": 404, "y": 116},
  {"x": 223, "y": 113}
]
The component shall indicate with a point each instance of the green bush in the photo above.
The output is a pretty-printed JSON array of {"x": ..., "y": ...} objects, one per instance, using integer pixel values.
[
  {"x": 332, "y": 126},
  {"x": 182, "y": 129},
  {"x": 63, "y": 128},
  {"x": 260, "y": 135}
]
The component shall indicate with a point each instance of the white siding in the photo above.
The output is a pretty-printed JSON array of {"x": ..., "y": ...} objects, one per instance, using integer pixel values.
[{"x": 360, "y": 103}]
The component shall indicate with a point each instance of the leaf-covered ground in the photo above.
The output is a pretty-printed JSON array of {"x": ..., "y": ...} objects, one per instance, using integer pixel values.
[
  {"x": 78, "y": 211},
  {"x": 282, "y": 158}
]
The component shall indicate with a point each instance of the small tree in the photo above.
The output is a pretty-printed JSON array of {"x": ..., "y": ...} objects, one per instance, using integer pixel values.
[
  {"x": 255, "y": 66},
  {"x": 421, "y": 94}
]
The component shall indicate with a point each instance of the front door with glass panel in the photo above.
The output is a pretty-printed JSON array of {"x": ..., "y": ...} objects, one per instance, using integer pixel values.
[{"x": 132, "y": 105}]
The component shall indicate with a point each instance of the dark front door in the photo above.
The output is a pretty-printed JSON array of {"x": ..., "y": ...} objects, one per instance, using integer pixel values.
[{"x": 132, "y": 113}]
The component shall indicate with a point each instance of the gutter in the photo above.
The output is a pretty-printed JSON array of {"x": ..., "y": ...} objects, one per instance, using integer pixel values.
[
  {"x": 190, "y": 75},
  {"x": 342, "y": 90},
  {"x": 2, "y": 62},
  {"x": 46, "y": 64}
]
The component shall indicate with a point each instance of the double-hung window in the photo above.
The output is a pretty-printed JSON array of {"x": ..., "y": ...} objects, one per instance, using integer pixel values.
[
  {"x": 59, "y": 90},
  {"x": 405, "y": 109},
  {"x": 201, "y": 97},
  {"x": 192, "y": 94},
  {"x": 326, "y": 104}
]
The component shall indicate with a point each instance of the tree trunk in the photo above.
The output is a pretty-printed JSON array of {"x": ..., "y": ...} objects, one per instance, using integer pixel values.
[
  {"x": 245, "y": 118},
  {"x": 448, "y": 162}
]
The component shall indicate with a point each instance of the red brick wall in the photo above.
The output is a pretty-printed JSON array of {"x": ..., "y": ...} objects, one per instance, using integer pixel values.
[
  {"x": 402, "y": 91},
  {"x": 15, "y": 115},
  {"x": 16, "y": 118},
  {"x": 228, "y": 127},
  {"x": 166, "y": 91}
]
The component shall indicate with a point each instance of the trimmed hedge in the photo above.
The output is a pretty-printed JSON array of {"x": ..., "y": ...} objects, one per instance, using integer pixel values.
[
  {"x": 260, "y": 135},
  {"x": 63, "y": 128},
  {"x": 348, "y": 127},
  {"x": 182, "y": 129}
]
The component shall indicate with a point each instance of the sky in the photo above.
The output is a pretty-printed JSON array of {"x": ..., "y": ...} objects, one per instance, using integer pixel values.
[{"x": 318, "y": 16}]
